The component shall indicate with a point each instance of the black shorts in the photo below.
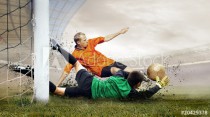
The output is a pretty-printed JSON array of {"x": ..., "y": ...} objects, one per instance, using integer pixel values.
[
  {"x": 106, "y": 71},
  {"x": 84, "y": 80}
]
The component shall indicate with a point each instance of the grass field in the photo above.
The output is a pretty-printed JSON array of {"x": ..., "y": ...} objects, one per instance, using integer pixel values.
[{"x": 167, "y": 105}]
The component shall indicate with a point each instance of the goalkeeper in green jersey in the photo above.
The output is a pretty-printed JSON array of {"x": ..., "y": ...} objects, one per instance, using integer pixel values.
[{"x": 120, "y": 85}]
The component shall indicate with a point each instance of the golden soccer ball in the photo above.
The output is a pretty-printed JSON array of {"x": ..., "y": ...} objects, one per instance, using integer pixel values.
[{"x": 154, "y": 70}]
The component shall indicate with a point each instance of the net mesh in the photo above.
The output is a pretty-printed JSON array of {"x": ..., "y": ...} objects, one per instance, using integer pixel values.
[{"x": 15, "y": 46}]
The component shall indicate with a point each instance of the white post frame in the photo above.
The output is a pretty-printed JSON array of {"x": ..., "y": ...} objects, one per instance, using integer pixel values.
[{"x": 41, "y": 50}]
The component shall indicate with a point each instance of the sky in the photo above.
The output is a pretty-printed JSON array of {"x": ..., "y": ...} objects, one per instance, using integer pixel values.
[{"x": 155, "y": 26}]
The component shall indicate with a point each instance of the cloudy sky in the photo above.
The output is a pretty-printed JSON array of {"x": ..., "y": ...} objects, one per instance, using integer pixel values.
[{"x": 156, "y": 26}]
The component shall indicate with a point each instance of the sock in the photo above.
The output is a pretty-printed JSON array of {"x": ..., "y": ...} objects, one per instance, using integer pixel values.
[
  {"x": 69, "y": 58},
  {"x": 52, "y": 87}
]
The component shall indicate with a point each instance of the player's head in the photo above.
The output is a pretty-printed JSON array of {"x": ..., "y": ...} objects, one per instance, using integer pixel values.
[
  {"x": 80, "y": 39},
  {"x": 135, "y": 78}
]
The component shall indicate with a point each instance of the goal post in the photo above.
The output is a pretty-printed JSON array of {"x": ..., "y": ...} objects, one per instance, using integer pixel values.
[{"x": 41, "y": 50}]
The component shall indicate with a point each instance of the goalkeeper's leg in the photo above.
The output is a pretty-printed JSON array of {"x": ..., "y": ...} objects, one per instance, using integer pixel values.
[{"x": 69, "y": 91}]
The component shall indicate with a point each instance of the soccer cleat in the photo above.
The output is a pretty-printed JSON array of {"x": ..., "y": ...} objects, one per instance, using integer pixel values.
[
  {"x": 54, "y": 44},
  {"x": 28, "y": 71}
]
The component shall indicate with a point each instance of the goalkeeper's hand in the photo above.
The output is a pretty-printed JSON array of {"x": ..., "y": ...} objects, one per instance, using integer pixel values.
[{"x": 163, "y": 82}]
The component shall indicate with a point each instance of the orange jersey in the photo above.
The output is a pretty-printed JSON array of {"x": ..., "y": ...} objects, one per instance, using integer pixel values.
[{"x": 90, "y": 58}]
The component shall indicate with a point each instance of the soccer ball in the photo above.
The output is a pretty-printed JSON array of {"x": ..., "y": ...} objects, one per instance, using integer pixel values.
[{"x": 154, "y": 70}]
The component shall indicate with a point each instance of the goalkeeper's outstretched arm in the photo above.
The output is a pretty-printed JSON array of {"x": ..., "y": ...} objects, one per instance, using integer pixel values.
[{"x": 151, "y": 91}]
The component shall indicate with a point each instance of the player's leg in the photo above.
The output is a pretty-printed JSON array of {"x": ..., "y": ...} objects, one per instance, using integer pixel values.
[
  {"x": 122, "y": 67},
  {"x": 114, "y": 68},
  {"x": 56, "y": 90},
  {"x": 69, "y": 58},
  {"x": 84, "y": 80},
  {"x": 69, "y": 91},
  {"x": 78, "y": 66},
  {"x": 28, "y": 71},
  {"x": 83, "y": 77}
]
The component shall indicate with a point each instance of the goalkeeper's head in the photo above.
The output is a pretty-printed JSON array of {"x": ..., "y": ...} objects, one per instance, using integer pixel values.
[{"x": 135, "y": 78}]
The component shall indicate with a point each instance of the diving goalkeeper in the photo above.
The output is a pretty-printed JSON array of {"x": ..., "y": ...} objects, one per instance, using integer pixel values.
[{"x": 116, "y": 86}]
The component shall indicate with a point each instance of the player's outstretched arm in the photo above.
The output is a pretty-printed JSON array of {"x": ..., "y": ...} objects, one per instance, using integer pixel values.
[
  {"x": 151, "y": 91},
  {"x": 112, "y": 36},
  {"x": 63, "y": 76},
  {"x": 144, "y": 94}
]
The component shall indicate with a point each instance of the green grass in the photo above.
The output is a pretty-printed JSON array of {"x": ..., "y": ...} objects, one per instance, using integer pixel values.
[{"x": 62, "y": 106}]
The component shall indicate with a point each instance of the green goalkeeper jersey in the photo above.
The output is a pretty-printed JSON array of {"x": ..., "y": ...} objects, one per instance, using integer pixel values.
[{"x": 113, "y": 87}]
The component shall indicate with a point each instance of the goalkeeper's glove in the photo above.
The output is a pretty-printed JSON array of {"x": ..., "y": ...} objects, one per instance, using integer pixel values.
[{"x": 163, "y": 82}]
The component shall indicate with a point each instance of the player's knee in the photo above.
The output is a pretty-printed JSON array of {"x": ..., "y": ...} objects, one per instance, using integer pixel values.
[{"x": 114, "y": 70}]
